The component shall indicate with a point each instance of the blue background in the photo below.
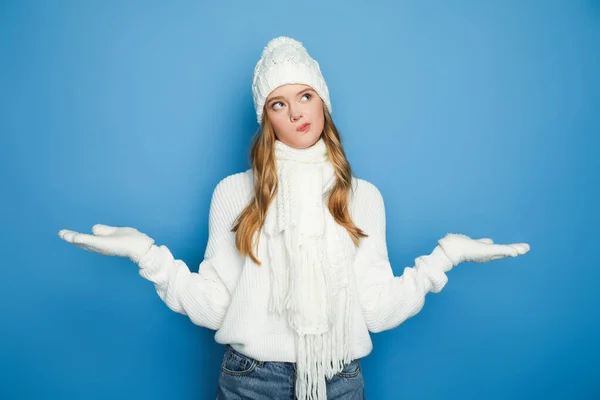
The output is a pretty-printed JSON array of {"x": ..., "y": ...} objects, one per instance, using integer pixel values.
[{"x": 475, "y": 118}]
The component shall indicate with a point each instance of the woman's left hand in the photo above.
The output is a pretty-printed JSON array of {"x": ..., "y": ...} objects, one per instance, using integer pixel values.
[{"x": 460, "y": 248}]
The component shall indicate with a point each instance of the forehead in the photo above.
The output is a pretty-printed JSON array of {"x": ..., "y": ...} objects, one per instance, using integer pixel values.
[{"x": 289, "y": 89}]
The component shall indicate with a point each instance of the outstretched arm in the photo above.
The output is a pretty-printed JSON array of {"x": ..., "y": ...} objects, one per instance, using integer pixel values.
[
  {"x": 389, "y": 300},
  {"x": 204, "y": 296}
]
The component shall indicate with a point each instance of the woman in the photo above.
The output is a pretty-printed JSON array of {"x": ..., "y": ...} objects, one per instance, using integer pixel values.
[{"x": 296, "y": 271}]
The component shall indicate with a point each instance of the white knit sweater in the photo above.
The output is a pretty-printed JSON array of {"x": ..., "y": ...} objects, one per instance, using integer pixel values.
[{"x": 230, "y": 293}]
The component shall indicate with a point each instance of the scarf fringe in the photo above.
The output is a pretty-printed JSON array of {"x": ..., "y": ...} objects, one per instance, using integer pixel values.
[
  {"x": 322, "y": 347},
  {"x": 309, "y": 271}
]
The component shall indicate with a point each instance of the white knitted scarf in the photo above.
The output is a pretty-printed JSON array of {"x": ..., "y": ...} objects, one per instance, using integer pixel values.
[{"x": 312, "y": 286}]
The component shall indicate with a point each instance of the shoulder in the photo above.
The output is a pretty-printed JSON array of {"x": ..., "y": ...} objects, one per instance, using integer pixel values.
[
  {"x": 366, "y": 204},
  {"x": 232, "y": 193},
  {"x": 240, "y": 182},
  {"x": 365, "y": 191}
]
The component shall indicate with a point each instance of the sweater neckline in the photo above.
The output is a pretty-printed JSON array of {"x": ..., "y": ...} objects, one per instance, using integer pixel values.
[{"x": 317, "y": 153}]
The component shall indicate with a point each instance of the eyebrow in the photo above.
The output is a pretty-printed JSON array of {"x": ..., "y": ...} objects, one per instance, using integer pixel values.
[{"x": 281, "y": 97}]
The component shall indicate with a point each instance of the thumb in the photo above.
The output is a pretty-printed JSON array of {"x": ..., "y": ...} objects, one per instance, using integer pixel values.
[
  {"x": 485, "y": 240},
  {"x": 103, "y": 230}
]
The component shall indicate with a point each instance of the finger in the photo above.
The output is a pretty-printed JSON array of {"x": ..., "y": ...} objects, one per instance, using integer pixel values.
[
  {"x": 521, "y": 248},
  {"x": 67, "y": 235},
  {"x": 103, "y": 230},
  {"x": 485, "y": 240},
  {"x": 79, "y": 238},
  {"x": 502, "y": 250},
  {"x": 88, "y": 240},
  {"x": 97, "y": 244}
]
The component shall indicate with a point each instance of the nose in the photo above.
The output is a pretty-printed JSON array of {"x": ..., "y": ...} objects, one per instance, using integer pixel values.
[{"x": 295, "y": 115}]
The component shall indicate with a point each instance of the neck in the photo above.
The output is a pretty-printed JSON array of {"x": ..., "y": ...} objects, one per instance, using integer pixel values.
[{"x": 317, "y": 153}]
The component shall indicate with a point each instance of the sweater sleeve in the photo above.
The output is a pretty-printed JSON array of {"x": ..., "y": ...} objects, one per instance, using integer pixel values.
[
  {"x": 388, "y": 300},
  {"x": 203, "y": 296}
]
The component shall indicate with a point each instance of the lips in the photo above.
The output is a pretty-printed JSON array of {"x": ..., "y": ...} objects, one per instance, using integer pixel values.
[{"x": 304, "y": 127}]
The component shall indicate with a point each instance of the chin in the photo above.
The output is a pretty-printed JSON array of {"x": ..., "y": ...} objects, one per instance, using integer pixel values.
[
  {"x": 308, "y": 141},
  {"x": 303, "y": 141}
]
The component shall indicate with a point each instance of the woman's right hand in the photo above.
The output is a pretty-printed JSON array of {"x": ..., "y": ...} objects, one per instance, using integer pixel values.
[{"x": 111, "y": 241}]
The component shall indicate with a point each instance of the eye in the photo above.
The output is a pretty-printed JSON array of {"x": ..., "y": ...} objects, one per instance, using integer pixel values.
[{"x": 309, "y": 95}]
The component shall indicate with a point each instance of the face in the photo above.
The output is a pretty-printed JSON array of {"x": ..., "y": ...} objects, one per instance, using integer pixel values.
[{"x": 290, "y": 108}]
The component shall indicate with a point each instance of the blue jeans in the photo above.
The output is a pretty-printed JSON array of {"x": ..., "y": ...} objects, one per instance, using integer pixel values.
[{"x": 243, "y": 377}]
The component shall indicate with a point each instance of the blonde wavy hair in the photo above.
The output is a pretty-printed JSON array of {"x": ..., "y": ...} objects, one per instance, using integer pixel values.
[{"x": 262, "y": 158}]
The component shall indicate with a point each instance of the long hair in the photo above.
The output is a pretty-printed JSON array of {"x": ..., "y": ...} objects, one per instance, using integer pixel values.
[{"x": 262, "y": 157}]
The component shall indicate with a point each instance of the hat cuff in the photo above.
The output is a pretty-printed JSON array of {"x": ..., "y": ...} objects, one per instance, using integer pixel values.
[{"x": 288, "y": 73}]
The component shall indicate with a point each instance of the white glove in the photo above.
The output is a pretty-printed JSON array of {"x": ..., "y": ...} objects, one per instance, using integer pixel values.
[
  {"x": 460, "y": 248},
  {"x": 111, "y": 241}
]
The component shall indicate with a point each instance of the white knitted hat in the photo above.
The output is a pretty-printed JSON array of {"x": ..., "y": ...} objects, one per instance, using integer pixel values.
[{"x": 285, "y": 61}]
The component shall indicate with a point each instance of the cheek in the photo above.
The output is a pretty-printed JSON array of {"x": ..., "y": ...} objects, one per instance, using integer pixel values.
[
  {"x": 278, "y": 123},
  {"x": 317, "y": 112},
  {"x": 275, "y": 119},
  {"x": 316, "y": 109}
]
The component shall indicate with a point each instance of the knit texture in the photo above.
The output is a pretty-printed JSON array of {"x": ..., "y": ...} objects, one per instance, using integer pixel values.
[
  {"x": 285, "y": 61},
  {"x": 313, "y": 286},
  {"x": 230, "y": 294}
]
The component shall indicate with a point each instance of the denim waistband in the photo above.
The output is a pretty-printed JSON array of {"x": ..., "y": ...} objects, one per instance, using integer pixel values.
[{"x": 228, "y": 347}]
